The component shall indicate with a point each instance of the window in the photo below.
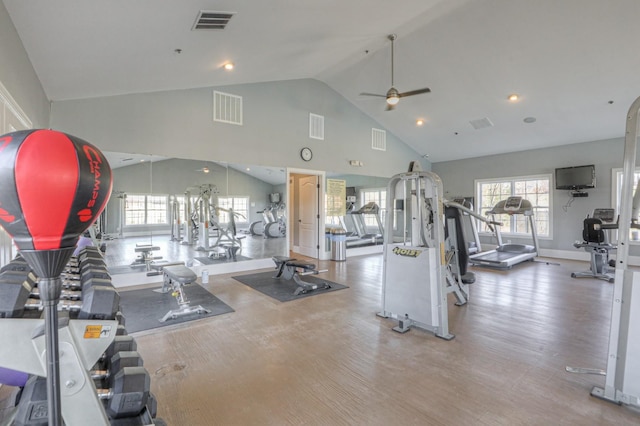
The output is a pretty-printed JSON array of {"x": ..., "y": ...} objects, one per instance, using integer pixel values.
[
  {"x": 535, "y": 189},
  {"x": 378, "y": 196},
  {"x": 240, "y": 206},
  {"x": 141, "y": 209},
  {"x": 634, "y": 234}
]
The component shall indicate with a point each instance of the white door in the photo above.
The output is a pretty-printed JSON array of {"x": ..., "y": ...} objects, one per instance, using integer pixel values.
[{"x": 308, "y": 216}]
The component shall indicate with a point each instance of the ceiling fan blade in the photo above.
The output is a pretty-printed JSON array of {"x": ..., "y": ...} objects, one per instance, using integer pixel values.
[
  {"x": 414, "y": 92},
  {"x": 373, "y": 94}
]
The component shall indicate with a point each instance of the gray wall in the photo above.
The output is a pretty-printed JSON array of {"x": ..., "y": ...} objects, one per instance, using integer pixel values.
[
  {"x": 276, "y": 122},
  {"x": 17, "y": 74},
  {"x": 458, "y": 180}
]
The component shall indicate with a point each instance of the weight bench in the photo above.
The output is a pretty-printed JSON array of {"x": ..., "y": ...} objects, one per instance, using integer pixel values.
[
  {"x": 174, "y": 279},
  {"x": 146, "y": 255},
  {"x": 290, "y": 268},
  {"x": 225, "y": 250}
]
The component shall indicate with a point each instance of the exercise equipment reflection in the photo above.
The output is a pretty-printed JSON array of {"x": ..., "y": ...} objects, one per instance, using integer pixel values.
[{"x": 596, "y": 243}]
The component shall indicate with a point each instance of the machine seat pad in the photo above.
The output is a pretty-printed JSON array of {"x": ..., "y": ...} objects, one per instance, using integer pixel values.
[
  {"x": 180, "y": 273},
  {"x": 303, "y": 265},
  {"x": 281, "y": 259}
]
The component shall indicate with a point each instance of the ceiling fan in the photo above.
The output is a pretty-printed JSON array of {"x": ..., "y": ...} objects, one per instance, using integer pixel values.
[{"x": 393, "y": 96}]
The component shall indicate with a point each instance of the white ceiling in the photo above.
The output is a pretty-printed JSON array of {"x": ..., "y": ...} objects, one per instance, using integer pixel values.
[{"x": 566, "y": 58}]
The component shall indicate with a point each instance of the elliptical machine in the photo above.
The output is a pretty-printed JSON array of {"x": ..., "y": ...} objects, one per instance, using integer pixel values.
[{"x": 274, "y": 222}]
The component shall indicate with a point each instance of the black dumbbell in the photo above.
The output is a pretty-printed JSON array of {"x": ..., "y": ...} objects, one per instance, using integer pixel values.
[
  {"x": 98, "y": 302},
  {"x": 17, "y": 264},
  {"x": 116, "y": 363},
  {"x": 32, "y": 408},
  {"x": 87, "y": 273},
  {"x": 127, "y": 396}
]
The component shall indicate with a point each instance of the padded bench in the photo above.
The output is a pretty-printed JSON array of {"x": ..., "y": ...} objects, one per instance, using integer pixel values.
[
  {"x": 225, "y": 250},
  {"x": 291, "y": 269},
  {"x": 174, "y": 279},
  {"x": 146, "y": 256}
]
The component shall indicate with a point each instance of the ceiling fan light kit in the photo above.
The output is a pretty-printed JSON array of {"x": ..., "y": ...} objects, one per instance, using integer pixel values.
[{"x": 393, "y": 96}]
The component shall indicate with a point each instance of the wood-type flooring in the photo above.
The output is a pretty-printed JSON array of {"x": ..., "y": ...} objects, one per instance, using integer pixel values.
[{"x": 329, "y": 360}]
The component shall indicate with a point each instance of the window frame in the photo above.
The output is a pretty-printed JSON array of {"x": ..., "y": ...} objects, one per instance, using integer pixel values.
[
  {"x": 146, "y": 211},
  {"x": 239, "y": 220},
  {"x": 616, "y": 188},
  {"x": 507, "y": 231}
]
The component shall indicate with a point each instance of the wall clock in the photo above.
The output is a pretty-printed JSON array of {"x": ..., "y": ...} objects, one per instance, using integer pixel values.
[{"x": 306, "y": 154}]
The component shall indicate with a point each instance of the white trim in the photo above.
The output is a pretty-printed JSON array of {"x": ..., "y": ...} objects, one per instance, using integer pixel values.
[
  {"x": 136, "y": 278},
  {"x": 13, "y": 106},
  {"x": 511, "y": 179}
]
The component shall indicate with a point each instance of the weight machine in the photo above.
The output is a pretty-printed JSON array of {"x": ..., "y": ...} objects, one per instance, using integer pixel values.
[{"x": 422, "y": 265}]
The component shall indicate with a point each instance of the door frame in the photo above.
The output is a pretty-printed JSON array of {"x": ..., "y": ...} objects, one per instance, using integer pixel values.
[{"x": 291, "y": 203}]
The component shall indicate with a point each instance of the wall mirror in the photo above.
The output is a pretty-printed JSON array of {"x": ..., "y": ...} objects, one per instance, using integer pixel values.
[{"x": 207, "y": 213}]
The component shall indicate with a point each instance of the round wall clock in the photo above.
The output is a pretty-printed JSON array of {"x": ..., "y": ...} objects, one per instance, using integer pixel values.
[{"x": 306, "y": 154}]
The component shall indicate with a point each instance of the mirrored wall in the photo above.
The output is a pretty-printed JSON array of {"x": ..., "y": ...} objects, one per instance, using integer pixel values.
[{"x": 167, "y": 210}]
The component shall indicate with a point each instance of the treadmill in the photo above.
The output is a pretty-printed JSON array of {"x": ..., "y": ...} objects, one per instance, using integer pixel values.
[{"x": 506, "y": 255}]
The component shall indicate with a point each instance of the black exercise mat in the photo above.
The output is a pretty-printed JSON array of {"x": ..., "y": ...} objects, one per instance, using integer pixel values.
[
  {"x": 281, "y": 289},
  {"x": 144, "y": 308},
  {"x": 209, "y": 261}
]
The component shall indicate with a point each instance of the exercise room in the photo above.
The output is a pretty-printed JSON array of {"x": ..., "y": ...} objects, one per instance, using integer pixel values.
[{"x": 319, "y": 213}]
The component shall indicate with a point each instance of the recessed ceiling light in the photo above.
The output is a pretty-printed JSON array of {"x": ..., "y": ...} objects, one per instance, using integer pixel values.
[
  {"x": 513, "y": 97},
  {"x": 529, "y": 120},
  {"x": 228, "y": 66},
  {"x": 419, "y": 122}
]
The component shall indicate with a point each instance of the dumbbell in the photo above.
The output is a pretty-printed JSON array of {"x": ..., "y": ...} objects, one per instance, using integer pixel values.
[
  {"x": 78, "y": 269},
  {"x": 98, "y": 302},
  {"x": 16, "y": 264},
  {"x": 116, "y": 363},
  {"x": 127, "y": 396},
  {"x": 89, "y": 272}
]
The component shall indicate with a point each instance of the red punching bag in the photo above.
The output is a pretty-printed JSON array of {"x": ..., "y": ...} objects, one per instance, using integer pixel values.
[{"x": 52, "y": 188}]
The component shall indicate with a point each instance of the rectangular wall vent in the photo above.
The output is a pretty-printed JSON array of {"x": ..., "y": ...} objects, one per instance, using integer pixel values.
[
  {"x": 378, "y": 139},
  {"x": 227, "y": 108},
  {"x": 316, "y": 126},
  {"x": 210, "y": 20}
]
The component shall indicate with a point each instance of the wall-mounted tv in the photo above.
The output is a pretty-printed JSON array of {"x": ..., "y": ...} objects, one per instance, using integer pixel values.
[{"x": 573, "y": 178}]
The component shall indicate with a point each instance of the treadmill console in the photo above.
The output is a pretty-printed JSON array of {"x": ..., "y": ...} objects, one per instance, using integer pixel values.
[
  {"x": 605, "y": 215},
  {"x": 512, "y": 204}
]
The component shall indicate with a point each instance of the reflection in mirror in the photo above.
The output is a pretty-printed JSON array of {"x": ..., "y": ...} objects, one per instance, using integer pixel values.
[
  {"x": 365, "y": 210},
  {"x": 165, "y": 211}
]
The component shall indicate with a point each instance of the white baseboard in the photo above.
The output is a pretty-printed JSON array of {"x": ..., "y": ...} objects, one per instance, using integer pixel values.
[
  {"x": 137, "y": 278},
  {"x": 581, "y": 255}
]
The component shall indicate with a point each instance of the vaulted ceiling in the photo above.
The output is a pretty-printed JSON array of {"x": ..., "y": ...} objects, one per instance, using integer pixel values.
[{"x": 574, "y": 63}]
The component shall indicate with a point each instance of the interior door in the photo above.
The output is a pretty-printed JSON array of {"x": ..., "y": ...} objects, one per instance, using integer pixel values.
[{"x": 308, "y": 216}]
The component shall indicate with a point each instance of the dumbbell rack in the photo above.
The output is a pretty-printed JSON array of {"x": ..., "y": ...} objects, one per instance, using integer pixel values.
[{"x": 81, "y": 343}]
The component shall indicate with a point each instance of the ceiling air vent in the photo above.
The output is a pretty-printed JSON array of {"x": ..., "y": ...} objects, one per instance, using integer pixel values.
[
  {"x": 210, "y": 20},
  {"x": 481, "y": 123}
]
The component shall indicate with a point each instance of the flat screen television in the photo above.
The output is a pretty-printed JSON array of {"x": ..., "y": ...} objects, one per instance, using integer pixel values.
[{"x": 573, "y": 178}]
